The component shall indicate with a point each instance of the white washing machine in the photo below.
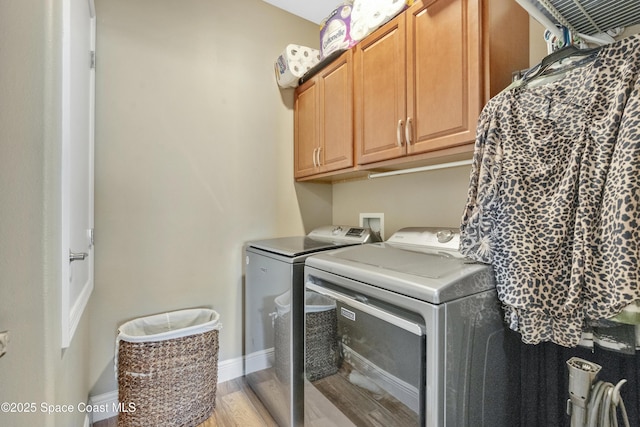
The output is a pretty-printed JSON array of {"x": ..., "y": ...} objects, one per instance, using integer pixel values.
[
  {"x": 274, "y": 310},
  {"x": 420, "y": 334}
]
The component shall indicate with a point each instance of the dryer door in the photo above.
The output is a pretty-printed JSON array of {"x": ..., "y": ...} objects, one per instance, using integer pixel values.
[{"x": 364, "y": 361}]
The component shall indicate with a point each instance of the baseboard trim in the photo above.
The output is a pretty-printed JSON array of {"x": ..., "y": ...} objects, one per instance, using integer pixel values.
[
  {"x": 107, "y": 403},
  {"x": 259, "y": 360},
  {"x": 230, "y": 369}
]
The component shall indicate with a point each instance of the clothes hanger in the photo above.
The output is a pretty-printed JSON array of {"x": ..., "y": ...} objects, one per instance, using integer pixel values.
[{"x": 555, "y": 57}]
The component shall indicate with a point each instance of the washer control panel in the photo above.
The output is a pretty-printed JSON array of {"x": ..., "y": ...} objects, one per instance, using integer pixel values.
[{"x": 442, "y": 238}]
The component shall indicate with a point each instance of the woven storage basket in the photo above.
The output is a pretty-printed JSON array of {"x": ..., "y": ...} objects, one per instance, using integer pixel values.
[
  {"x": 172, "y": 381},
  {"x": 321, "y": 331}
]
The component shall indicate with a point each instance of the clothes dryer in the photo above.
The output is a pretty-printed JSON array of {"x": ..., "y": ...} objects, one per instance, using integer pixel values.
[{"x": 274, "y": 303}]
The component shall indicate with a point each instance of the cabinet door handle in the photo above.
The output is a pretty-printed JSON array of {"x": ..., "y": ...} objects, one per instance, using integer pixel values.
[
  {"x": 319, "y": 162},
  {"x": 407, "y": 131},
  {"x": 399, "y": 133},
  {"x": 315, "y": 150}
]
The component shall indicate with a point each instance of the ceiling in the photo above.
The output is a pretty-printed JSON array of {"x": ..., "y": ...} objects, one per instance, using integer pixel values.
[{"x": 311, "y": 10}]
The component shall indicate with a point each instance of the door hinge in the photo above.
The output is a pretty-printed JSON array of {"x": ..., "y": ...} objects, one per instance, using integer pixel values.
[{"x": 92, "y": 59}]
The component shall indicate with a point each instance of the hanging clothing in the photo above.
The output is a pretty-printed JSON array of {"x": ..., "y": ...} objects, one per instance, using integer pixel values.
[{"x": 554, "y": 196}]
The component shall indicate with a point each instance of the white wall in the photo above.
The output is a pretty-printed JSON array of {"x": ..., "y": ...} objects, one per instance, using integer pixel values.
[
  {"x": 34, "y": 368},
  {"x": 194, "y": 157}
]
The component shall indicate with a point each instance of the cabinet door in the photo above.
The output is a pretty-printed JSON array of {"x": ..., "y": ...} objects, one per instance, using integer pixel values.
[
  {"x": 380, "y": 93},
  {"x": 336, "y": 118},
  {"x": 443, "y": 74},
  {"x": 306, "y": 125}
]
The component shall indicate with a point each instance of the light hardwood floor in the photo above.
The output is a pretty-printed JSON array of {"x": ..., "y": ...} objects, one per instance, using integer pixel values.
[
  {"x": 331, "y": 401},
  {"x": 236, "y": 405}
]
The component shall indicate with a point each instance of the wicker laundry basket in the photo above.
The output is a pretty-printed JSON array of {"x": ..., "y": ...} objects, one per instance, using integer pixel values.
[
  {"x": 320, "y": 340},
  {"x": 167, "y": 369}
]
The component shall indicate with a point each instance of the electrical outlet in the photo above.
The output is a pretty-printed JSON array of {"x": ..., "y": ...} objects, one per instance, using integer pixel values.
[
  {"x": 4, "y": 341},
  {"x": 375, "y": 222}
]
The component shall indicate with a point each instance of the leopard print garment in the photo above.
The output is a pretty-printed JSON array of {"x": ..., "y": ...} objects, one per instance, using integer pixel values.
[{"x": 554, "y": 196}]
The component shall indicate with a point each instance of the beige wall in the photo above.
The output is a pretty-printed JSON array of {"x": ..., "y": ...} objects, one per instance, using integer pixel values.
[
  {"x": 21, "y": 228},
  {"x": 194, "y": 157},
  {"x": 34, "y": 369},
  {"x": 434, "y": 198}
]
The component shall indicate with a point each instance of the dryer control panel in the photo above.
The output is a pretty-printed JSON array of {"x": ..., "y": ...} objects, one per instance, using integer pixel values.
[{"x": 342, "y": 234}]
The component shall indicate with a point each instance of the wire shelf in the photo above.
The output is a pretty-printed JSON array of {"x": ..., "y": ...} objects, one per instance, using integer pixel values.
[{"x": 588, "y": 17}]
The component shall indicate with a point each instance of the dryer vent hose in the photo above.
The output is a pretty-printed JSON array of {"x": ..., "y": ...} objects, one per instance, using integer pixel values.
[{"x": 589, "y": 404}]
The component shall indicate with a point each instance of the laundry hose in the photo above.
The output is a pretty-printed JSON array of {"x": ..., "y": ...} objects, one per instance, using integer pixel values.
[
  {"x": 593, "y": 404},
  {"x": 603, "y": 404}
]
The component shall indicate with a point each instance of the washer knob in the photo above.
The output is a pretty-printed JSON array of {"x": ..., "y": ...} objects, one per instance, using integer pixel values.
[
  {"x": 336, "y": 230},
  {"x": 444, "y": 236}
]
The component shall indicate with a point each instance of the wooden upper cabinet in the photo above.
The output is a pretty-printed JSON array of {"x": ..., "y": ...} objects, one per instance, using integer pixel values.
[
  {"x": 422, "y": 79},
  {"x": 380, "y": 93},
  {"x": 336, "y": 114},
  {"x": 323, "y": 120},
  {"x": 306, "y": 129},
  {"x": 443, "y": 75},
  {"x": 411, "y": 91}
]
